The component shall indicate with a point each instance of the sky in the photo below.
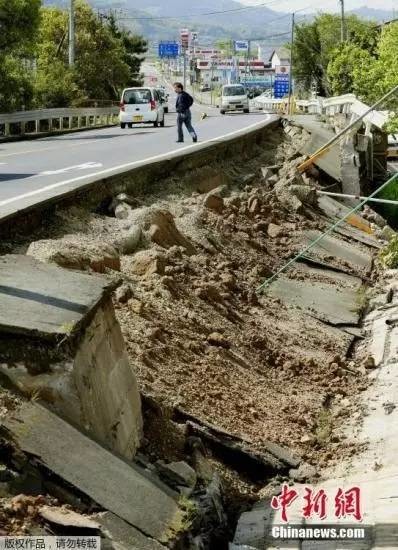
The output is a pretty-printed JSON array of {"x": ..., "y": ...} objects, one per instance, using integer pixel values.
[{"x": 327, "y": 5}]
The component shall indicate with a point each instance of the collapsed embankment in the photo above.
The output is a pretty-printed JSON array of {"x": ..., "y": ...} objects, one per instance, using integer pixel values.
[{"x": 226, "y": 373}]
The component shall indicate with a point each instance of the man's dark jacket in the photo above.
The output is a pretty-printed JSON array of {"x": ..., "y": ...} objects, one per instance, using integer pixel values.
[{"x": 184, "y": 102}]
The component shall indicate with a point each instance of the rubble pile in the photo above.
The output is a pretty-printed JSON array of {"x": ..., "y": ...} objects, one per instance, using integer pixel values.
[
  {"x": 198, "y": 334},
  {"x": 225, "y": 370}
]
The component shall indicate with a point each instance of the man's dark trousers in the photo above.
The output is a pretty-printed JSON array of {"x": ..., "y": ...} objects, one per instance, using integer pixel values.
[{"x": 185, "y": 118}]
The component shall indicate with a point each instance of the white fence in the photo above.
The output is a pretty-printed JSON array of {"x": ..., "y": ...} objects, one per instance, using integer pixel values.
[
  {"x": 346, "y": 104},
  {"x": 269, "y": 105},
  {"x": 22, "y": 122}
]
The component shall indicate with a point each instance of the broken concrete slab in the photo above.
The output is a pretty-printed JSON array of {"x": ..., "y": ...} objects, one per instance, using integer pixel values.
[
  {"x": 67, "y": 518},
  {"x": 123, "y": 536},
  {"x": 238, "y": 452},
  {"x": 111, "y": 482},
  {"x": 329, "y": 303},
  {"x": 177, "y": 473},
  {"x": 61, "y": 342},
  {"x": 356, "y": 227},
  {"x": 254, "y": 528},
  {"x": 43, "y": 299},
  {"x": 317, "y": 137},
  {"x": 331, "y": 246}
]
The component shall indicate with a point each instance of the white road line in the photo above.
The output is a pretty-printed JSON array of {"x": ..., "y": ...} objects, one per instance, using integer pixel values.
[
  {"x": 163, "y": 156},
  {"x": 29, "y": 151},
  {"x": 85, "y": 166}
]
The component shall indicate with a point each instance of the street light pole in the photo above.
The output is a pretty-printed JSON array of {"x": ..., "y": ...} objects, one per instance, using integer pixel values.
[
  {"x": 71, "y": 33},
  {"x": 289, "y": 108},
  {"x": 185, "y": 68},
  {"x": 342, "y": 21}
]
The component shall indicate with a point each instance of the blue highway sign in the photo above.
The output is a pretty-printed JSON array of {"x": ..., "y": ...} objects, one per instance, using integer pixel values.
[{"x": 168, "y": 49}]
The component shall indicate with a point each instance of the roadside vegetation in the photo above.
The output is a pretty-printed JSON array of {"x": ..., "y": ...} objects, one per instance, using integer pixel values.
[
  {"x": 34, "y": 69},
  {"x": 389, "y": 254},
  {"x": 365, "y": 64}
]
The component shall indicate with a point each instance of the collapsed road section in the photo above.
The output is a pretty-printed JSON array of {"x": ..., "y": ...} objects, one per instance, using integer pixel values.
[{"x": 149, "y": 394}]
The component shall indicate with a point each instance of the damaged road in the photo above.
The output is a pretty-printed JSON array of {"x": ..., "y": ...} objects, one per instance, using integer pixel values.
[{"x": 237, "y": 385}]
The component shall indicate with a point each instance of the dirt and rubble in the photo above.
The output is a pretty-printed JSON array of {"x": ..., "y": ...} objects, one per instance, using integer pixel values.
[{"x": 202, "y": 341}]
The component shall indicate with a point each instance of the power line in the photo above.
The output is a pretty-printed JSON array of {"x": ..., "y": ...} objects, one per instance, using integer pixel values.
[{"x": 220, "y": 12}]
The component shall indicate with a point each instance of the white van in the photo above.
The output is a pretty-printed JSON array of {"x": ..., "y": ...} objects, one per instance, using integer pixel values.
[
  {"x": 141, "y": 105},
  {"x": 234, "y": 98}
]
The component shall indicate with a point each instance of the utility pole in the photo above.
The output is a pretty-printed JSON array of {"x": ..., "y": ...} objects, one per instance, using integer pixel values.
[
  {"x": 342, "y": 21},
  {"x": 71, "y": 34},
  {"x": 289, "y": 108},
  {"x": 247, "y": 69},
  {"x": 185, "y": 67}
]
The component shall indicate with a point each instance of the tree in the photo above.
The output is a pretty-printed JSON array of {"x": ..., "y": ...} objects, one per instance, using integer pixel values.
[
  {"x": 16, "y": 90},
  {"x": 135, "y": 47},
  {"x": 106, "y": 58},
  {"x": 345, "y": 61},
  {"x": 315, "y": 44},
  {"x": 380, "y": 76},
  {"x": 54, "y": 82},
  {"x": 19, "y": 20}
]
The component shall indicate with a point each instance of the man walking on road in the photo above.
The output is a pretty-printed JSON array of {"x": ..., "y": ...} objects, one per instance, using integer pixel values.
[{"x": 183, "y": 107}]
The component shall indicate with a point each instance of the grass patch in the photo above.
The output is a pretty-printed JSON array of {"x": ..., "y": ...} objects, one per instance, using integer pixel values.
[
  {"x": 389, "y": 254},
  {"x": 388, "y": 211},
  {"x": 361, "y": 300},
  {"x": 184, "y": 519}
]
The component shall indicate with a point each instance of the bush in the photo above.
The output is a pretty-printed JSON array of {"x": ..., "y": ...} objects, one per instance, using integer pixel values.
[{"x": 389, "y": 254}]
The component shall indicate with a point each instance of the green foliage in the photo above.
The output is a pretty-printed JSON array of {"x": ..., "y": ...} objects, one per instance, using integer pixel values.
[
  {"x": 315, "y": 46},
  {"x": 100, "y": 70},
  {"x": 389, "y": 211},
  {"x": 346, "y": 60},
  {"x": 16, "y": 90},
  {"x": 389, "y": 254},
  {"x": 34, "y": 67},
  {"x": 54, "y": 82},
  {"x": 381, "y": 75},
  {"x": 134, "y": 49},
  {"x": 19, "y": 20}
]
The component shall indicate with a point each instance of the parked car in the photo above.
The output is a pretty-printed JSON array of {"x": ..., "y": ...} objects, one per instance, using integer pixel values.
[
  {"x": 141, "y": 105},
  {"x": 205, "y": 88},
  {"x": 234, "y": 98},
  {"x": 164, "y": 98}
]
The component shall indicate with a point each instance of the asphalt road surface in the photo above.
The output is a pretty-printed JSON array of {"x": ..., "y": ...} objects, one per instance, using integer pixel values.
[{"x": 33, "y": 170}]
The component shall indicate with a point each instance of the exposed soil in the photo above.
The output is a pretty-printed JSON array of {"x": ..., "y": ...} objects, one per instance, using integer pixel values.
[{"x": 199, "y": 336}]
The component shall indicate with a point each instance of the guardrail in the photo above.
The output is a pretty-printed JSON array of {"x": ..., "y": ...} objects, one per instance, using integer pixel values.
[
  {"x": 50, "y": 120},
  {"x": 270, "y": 105},
  {"x": 347, "y": 105}
]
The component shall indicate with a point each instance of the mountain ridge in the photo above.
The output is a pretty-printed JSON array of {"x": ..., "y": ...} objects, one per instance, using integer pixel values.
[{"x": 163, "y": 20}]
